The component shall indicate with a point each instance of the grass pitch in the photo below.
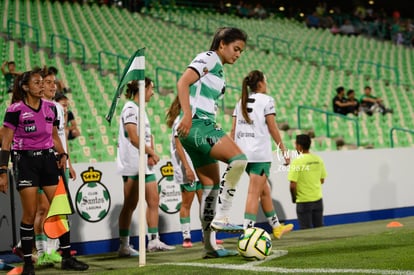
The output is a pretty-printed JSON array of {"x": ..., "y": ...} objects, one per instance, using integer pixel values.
[{"x": 359, "y": 248}]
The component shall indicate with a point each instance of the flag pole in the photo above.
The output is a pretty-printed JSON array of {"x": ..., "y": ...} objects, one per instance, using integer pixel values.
[
  {"x": 135, "y": 70},
  {"x": 141, "y": 174}
]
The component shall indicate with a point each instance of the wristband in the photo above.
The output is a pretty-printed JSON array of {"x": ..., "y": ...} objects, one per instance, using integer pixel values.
[
  {"x": 59, "y": 156},
  {"x": 3, "y": 171},
  {"x": 4, "y": 157}
]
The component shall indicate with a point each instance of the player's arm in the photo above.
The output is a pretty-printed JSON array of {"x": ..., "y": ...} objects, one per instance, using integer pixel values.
[
  {"x": 61, "y": 152},
  {"x": 183, "y": 87},
  {"x": 181, "y": 155},
  {"x": 233, "y": 128},
  {"x": 7, "y": 137},
  {"x": 293, "y": 191},
  {"x": 275, "y": 134},
  {"x": 131, "y": 129}
]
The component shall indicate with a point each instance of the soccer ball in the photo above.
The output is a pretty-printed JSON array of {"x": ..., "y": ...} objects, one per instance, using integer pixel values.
[{"x": 254, "y": 244}]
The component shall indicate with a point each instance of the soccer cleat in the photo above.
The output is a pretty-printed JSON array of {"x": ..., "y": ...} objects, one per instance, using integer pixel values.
[
  {"x": 72, "y": 263},
  {"x": 282, "y": 229},
  {"x": 44, "y": 260},
  {"x": 225, "y": 226},
  {"x": 54, "y": 256},
  {"x": 219, "y": 253},
  {"x": 128, "y": 251},
  {"x": 187, "y": 243},
  {"x": 17, "y": 250},
  {"x": 28, "y": 269},
  {"x": 157, "y": 245}
]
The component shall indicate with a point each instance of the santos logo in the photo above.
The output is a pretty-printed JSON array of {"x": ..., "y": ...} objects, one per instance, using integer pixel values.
[{"x": 92, "y": 199}]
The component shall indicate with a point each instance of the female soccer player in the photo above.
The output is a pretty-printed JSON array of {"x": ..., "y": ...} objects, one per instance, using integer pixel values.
[
  {"x": 127, "y": 162},
  {"x": 253, "y": 127},
  {"x": 189, "y": 183},
  {"x": 199, "y": 89},
  {"x": 30, "y": 130}
]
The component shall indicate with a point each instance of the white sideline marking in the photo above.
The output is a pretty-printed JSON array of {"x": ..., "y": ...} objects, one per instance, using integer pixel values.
[
  {"x": 296, "y": 270},
  {"x": 254, "y": 266},
  {"x": 275, "y": 254}
]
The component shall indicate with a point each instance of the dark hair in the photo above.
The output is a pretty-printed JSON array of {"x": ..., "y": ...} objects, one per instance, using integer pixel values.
[
  {"x": 304, "y": 141},
  {"x": 250, "y": 83},
  {"x": 227, "y": 35},
  {"x": 60, "y": 96},
  {"x": 133, "y": 87},
  {"x": 11, "y": 63},
  {"x": 18, "y": 92},
  {"x": 340, "y": 89},
  {"x": 53, "y": 70},
  {"x": 350, "y": 91},
  {"x": 45, "y": 71}
]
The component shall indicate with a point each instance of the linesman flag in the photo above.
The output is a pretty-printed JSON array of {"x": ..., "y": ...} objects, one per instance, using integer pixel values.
[
  {"x": 56, "y": 223},
  {"x": 134, "y": 70}
]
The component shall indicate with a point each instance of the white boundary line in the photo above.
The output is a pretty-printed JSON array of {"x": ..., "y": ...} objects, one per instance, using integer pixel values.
[{"x": 254, "y": 266}]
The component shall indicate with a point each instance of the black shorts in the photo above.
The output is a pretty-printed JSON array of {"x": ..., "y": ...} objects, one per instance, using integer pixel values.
[{"x": 35, "y": 168}]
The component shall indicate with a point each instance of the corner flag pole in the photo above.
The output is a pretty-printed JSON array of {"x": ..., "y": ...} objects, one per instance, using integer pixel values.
[
  {"x": 141, "y": 174},
  {"x": 135, "y": 70}
]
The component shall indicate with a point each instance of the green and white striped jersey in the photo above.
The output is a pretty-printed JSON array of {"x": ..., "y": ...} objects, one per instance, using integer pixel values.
[{"x": 209, "y": 89}]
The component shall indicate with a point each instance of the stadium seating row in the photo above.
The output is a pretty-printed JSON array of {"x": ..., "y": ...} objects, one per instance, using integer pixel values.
[{"x": 293, "y": 79}]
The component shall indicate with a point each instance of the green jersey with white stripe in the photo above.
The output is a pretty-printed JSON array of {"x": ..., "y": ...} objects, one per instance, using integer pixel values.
[{"x": 209, "y": 89}]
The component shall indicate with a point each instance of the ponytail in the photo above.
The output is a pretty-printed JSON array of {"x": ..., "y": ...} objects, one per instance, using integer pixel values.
[
  {"x": 244, "y": 99},
  {"x": 173, "y": 112},
  {"x": 250, "y": 83}
]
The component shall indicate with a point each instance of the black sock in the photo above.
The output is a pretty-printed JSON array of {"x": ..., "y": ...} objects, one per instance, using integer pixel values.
[
  {"x": 65, "y": 244},
  {"x": 26, "y": 237}
]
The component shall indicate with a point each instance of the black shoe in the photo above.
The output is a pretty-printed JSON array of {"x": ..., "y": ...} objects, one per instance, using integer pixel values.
[
  {"x": 73, "y": 264},
  {"x": 28, "y": 269}
]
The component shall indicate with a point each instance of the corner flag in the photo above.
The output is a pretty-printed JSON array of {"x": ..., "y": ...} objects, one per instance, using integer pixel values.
[
  {"x": 56, "y": 223},
  {"x": 134, "y": 70}
]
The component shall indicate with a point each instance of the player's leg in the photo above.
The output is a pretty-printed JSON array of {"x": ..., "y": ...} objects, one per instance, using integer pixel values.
[
  {"x": 40, "y": 237},
  {"x": 209, "y": 175},
  {"x": 227, "y": 151},
  {"x": 68, "y": 261},
  {"x": 278, "y": 229},
  {"x": 152, "y": 198},
  {"x": 254, "y": 191},
  {"x": 25, "y": 171},
  {"x": 187, "y": 196},
  {"x": 125, "y": 216},
  {"x": 28, "y": 198}
]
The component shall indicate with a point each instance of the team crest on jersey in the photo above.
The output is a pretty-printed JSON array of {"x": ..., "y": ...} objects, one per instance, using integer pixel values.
[{"x": 205, "y": 70}]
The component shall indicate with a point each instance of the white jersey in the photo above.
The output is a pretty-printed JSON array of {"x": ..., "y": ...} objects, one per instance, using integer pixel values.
[
  {"x": 254, "y": 139},
  {"x": 127, "y": 154},
  {"x": 61, "y": 127},
  {"x": 179, "y": 171},
  {"x": 209, "y": 89}
]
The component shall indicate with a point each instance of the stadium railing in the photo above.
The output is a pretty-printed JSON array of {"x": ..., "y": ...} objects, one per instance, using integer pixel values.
[
  {"x": 329, "y": 114},
  {"x": 395, "y": 129}
]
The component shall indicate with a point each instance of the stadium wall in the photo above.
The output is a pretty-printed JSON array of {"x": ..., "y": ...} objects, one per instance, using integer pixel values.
[{"x": 362, "y": 185}]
